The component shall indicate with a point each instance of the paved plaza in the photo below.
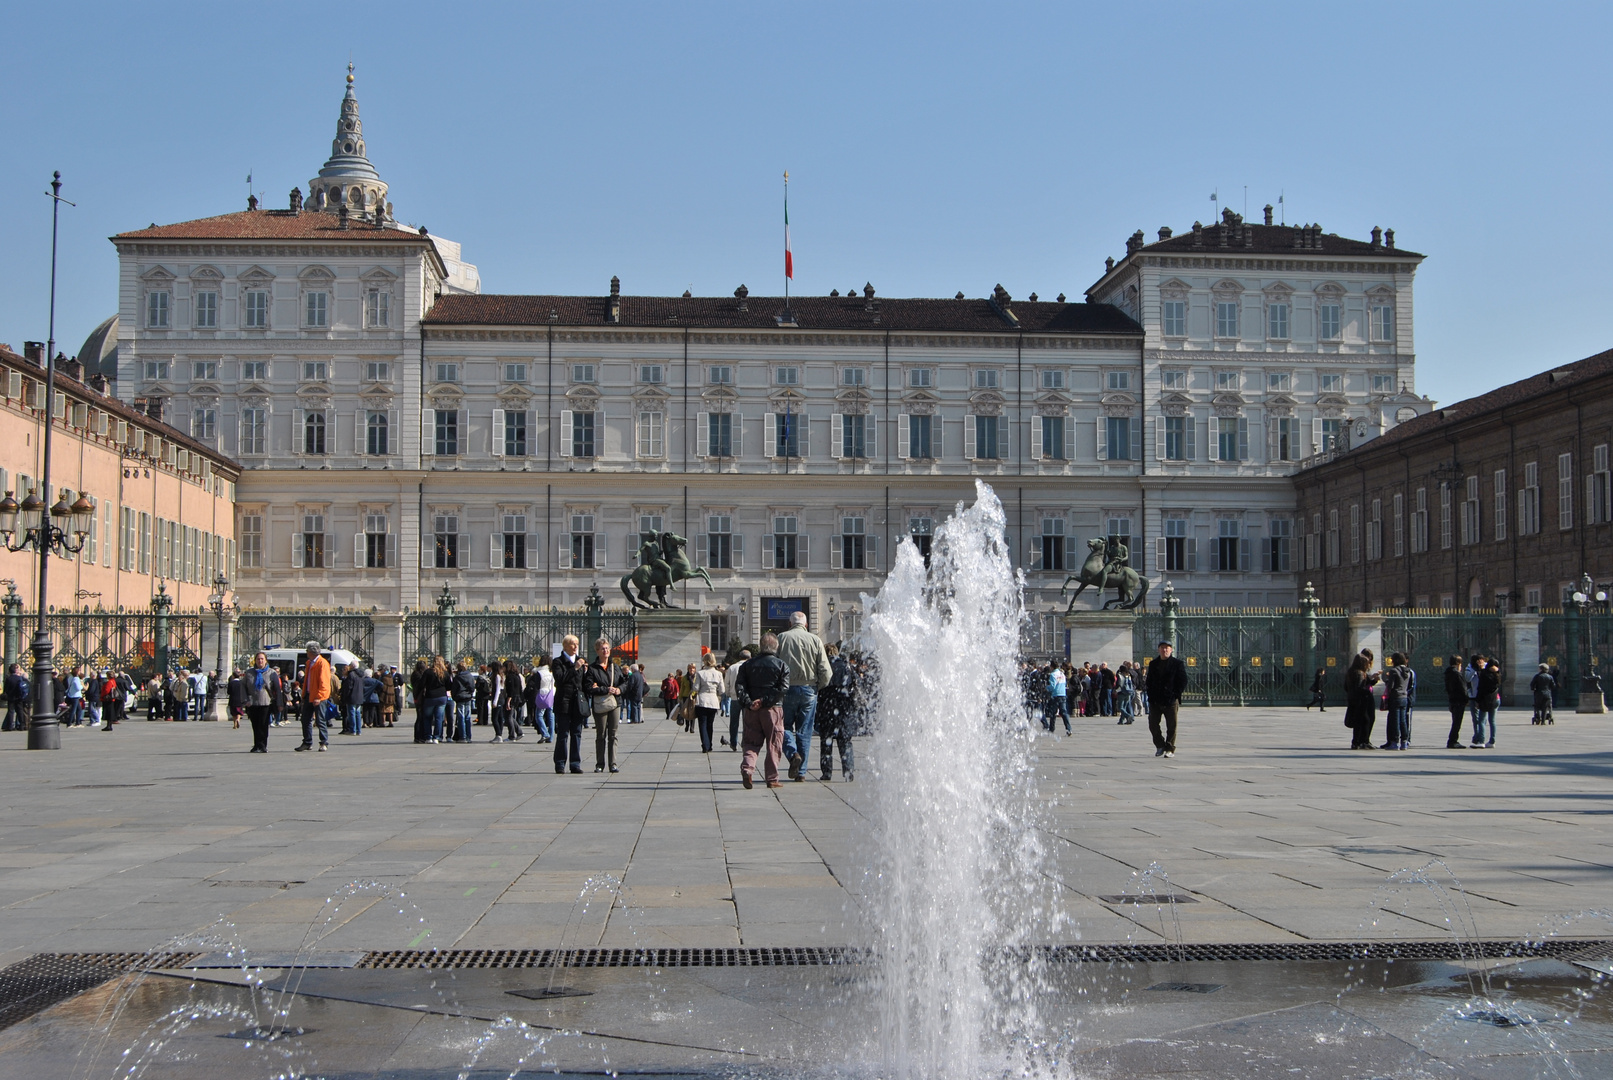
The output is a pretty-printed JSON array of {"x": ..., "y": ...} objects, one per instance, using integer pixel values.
[{"x": 129, "y": 839}]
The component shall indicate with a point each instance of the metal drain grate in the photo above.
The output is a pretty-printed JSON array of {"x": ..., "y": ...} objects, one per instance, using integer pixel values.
[
  {"x": 46, "y": 979},
  {"x": 1445, "y": 949},
  {"x": 1128, "y": 898},
  {"x": 611, "y": 958},
  {"x": 1187, "y": 987}
]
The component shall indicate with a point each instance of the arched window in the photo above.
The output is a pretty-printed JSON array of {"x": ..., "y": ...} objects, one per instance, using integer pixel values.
[
  {"x": 313, "y": 433},
  {"x": 375, "y": 437}
]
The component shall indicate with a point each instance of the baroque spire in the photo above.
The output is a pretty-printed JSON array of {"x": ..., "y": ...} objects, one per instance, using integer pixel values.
[{"x": 347, "y": 178}]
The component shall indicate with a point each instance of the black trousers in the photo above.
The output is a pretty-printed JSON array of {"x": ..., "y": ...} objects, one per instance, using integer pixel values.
[
  {"x": 1458, "y": 714},
  {"x": 567, "y": 742},
  {"x": 1166, "y": 709},
  {"x": 259, "y": 717}
]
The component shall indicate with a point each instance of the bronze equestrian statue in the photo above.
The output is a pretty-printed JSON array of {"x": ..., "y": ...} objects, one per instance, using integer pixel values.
[
  {"x": 1107, "y": 567},
  {"x": 662, "y": 564}
]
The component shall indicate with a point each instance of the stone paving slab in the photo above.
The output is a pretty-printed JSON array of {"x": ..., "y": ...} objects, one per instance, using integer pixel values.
[{"x": 127, "y": 839}]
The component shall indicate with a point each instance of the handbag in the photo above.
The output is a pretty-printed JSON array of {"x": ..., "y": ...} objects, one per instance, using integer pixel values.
[{"x": 604, "y": 703}]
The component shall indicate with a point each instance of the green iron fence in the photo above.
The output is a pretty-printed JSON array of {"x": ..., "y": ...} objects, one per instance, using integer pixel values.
[
  {"x": 485, "y": 636},
  {"x": 139, "y": 642},
  {"x": 263, "y": 630},
  {"x": 1250, "y": 656},
  {"x": 1429, "y": 637},
  {"x": 1573, "y": 643}
]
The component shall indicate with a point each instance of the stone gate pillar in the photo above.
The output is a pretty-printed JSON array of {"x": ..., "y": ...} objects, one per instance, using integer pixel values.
[
  {"x": 1522, "y": 639},
  {"x": 1366, "y": 632}
]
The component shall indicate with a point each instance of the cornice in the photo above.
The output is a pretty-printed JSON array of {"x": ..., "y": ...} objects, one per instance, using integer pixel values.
[
  {"x": 261, "y": 249},
  {"x": 871, "y": 339},
  {"x": 1275, "y": 264}
]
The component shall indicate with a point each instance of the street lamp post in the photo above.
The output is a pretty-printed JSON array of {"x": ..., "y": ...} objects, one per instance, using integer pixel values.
[{"x": 216, "y": 600}]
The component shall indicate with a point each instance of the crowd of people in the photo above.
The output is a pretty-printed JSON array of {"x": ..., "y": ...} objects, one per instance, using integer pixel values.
[
  {"x": 1057, "y": 691},
  {"x": 88, "y": 697},
  {"x": 1472, "y": 690}
]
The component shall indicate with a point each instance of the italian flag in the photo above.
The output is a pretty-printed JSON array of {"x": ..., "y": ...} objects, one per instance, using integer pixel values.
[{"x": 789, "y": 262}]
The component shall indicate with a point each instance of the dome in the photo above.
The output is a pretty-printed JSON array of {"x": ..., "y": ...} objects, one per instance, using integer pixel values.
[{"x": 99, "y": 353}]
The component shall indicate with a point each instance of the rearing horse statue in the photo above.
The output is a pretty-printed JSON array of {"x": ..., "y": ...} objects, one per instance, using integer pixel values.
[
  {"x": 1099, "y": 572},
  {"x": 662, "y": 564}
]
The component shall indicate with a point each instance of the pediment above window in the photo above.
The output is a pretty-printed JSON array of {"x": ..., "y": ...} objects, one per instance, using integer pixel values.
[
  {"x": 1331, "y": 410},
  {"x": 1227, "y": 287},
  {"x": 650, "y": 395},
  {"x": 980, "y": 400},
  {"x": 786, "y": 395},
  {"x": 374, "y": 400},
  {"x": 446, "y": 401},
  {"x": 255, "y": 275},
  {"x": 1334, "y": 400},
  {"x": 1052, "y": 406},
  {"x": 1331, "y": 290},
  {"x": 377, "y": 389},
  {"x": 582, "y": 396},
  {"x": 157, "y": 275},
  {"x": 719, "y": 394},
  {"x": 1278, "y": 291},
  {"x": 1276, "y": 400},
  {"x": 1053, "y": 399},
  {"x": 206, "y": 275},
  {"x": 316, "y": 275},
  {"x": 378, "y": 276},
  {"x": 1228, "y": 397},
  {"x": 313, "y": 399},
  {"x": 853, "y": 396},
  {"x": 1381, "y": 293},
  {"x": 915, "y": 398},
  {"x": 1175, "y": 289},
  {"x": 1119, "y": 397},
  {"x": 513, "y": 397}
]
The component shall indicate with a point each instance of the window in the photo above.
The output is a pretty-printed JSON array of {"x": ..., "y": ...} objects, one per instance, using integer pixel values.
[
  {"x": 921, "y": 378},
  {"x": 1173, "y": 380},
  {"x": 1054, "y": 545},
  {"x": 582, "y": 373},
  {"x": 922, "y": 530},
  {"x": 1178, "y": 548},
  {"x": 375, "y": 541},
  {"x": 920, "y": 433},
  {"x": 315, "y": 371},
  {"x": 1053, "y": 379},
  {"x": 1529, "y": 500},
  {"x": 1332, "y": 430},
  {"x": 255, "y": 309},
  {"x": 1470, "y": 512},
  {"x": 1227, "y": 382},
  {"x": 1117, "y": 430},
  {"x": 720, "y": 542},
  {"x": 1279, "y": 382},
  {"x": 1119, "y": 380},
  {"x": 315, "y": 310},
  {"x": 582, "y": 435},
  {"x": 651, "y": 434},
  {"x": 651, "y": 374},
  {"x": 1565, "y": 491},
  {"x": 854, "y": 543},
  {"x": 986, "y": 379},
  {"x": 855, "y": 434},
  {"x": 515, "y": 434},
  {"x": 720, "y": 628},
  {"x": 512, "y": 542},
  {"x": 1398, "y": 524},
  {"x": 1329, "y": 323},
  {"x": 720, "y": 435},
  {"x": 515, "y": 373},
  {"x": 1280, "y": 555},
  {"x": 254, "y": 430},
  {"x": 156, "y": 370},
  {"x": 447, "y": 373},
  {"x": 786, "y": 543},
  {"x": 145, "y": 543},
  {"x": 1174, "y": 318},
  {"x": 1277, "y": 322},
  {"x": 1383, "y": 383},
  {"x": 1375, "y": 532},
  {"x": 720, "y": 375},
  {"x": 376, "y": 433},
  {"x": 1176, "y": 434},
  {"x": 312, "y": 541},
  {"x": 204, "y": 371},
  {"x": 445, "y": 441},
  {"x": 787, "y": 428},
  {"x": 1231, "y": 438},
  {"x": 1500, "y": 513},
  {"x": 1419, "y": 522},
  {"x": 313, "y": 433},
  {"x": 157, "y": 310},
  {"x": 445, "y": 542},
  {"x": 1229, "y": 545},
  {"x": 1285, "y": 439},
  {"x": 651, "y": 523},
  {"x": 377, "y": 371},
  {"x": 204, "y": 423},
  {"x": 1052, "y": 437},
  {"x": 1446, "y": 495},
  {"x": 991, "y": 437},
  {"x": 1119, "y": 529},
  {"x": 207, "y": 310},
  {"x": 377, "y": 308},
  {"x": 786, "y": 376},
  {"x": 1599, "y": 488},
  {"x": 255, "y": 371},
  {"x": 1330, "y": 384},
  {"x": 1355, "y": 533},
  {"x": 1226, "y": 319},
  {"x": 251, "y": 532},
  {"x": 582, "y": 542},
  {"x": 1383, "y": 322},
  {"x": 853, "y": 376}
]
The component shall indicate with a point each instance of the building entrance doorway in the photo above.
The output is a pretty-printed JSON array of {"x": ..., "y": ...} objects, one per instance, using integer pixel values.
[{"x": 776, "y": 612}]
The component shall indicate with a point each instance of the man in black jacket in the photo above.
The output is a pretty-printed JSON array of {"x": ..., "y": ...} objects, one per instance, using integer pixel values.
[
  {"x": 759, "y": 693},
  {"x": 571, "y": 705},
  {"x": 1167, "y": 679}
]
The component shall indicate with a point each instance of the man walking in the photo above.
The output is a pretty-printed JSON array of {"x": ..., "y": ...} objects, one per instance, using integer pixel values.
[
  {"x": 1058, "y": 690},
  {"x": 316, "y": 690},
  {"x": 16, "y": 699},
  {"x": 731, "y": 680},
  {"x": 808, "y": 664},
  {"x": 1167, "y": 679},
  {"x": 571, "y": 704},
  {"x": 759, "y": 692}
]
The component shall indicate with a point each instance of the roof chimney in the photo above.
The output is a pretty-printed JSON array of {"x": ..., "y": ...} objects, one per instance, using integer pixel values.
[
  {"x": 1032, "y": 298},
  {"x": 1198, "y": 234},
  {"x": 742, "y": 293},
  {"x": 296, "y": 200},
  {"x": 1389, "y": 239},
  {"x": 959, "y": 296},
  {"x": 34, "y": 351},
  {"x": 1248, "y": 232},
  {"x": 1164, "y": 232},
  {"x": 341, "y": 216},
  {"x": 1134, "y": 242},
  {"x": 1108, "y": 263},
  {"x": 1377, "y": 236},
  {"x": 615, "y": 314},
  {"x": 868, "y": 297},
  {"x": 1268, "y": 213},
  {"x": 251, "y": 201},
  {"x": 1061, "y": 298},
  {"x": 687, "y": 294},
  {"x": 71, "y": 368}
]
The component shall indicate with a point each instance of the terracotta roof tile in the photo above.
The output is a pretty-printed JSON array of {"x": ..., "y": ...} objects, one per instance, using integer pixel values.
[{"x": 272, "y": 225}]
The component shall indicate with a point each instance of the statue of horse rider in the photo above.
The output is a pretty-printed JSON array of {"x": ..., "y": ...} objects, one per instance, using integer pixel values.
[{"x": 662, "y": 564}]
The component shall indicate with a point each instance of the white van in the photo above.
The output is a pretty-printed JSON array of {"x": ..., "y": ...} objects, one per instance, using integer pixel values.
[{"x": 289, "y": 661}]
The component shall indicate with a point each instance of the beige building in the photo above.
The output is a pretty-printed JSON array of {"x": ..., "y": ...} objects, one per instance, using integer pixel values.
[{"x": 163, "y": 502}]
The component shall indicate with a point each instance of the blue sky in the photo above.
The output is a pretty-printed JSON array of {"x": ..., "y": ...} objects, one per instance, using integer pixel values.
[{"x": 932, "y": 148}]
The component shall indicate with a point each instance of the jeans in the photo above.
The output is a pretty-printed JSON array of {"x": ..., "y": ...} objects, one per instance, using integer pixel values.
[
  {"x": 568, "y": 742},
  {"x": 734, "y": 717},
  {"x": 313, "y": 712},
  {"x": 179, "y": 710},
  {"x": 1108, "y": 702},
  {"x": 1483, "y": 718},
  {"x": 1057, "y": 707},
  {"x": 75, "y": 712},
  {"x": 435, "y": 714},
  {"x": 1398, "y": 728},
  {"x": 355, "y": 720},
  {"x": 827, "y": 742},
  {"x": 1458, "y": 712},
  {"x": 466, "y": 712},
  {"x": 705, "y": 718},
  {"x": 543, "y": 720},
  {"x": 800, "y": 706},
  {"x": 1126, "y": 707}
]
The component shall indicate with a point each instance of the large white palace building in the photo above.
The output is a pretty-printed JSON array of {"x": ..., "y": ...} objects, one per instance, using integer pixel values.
[{"x": 401, "y": 431}]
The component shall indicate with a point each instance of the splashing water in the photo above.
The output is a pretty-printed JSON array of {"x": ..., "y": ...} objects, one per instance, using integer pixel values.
[{"x": 956, "y": 885}]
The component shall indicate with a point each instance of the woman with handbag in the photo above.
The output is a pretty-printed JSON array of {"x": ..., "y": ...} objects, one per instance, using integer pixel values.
[
  {"x": 604, "y": 694},
  {"x": 1361, "y": 706},
  {"x": 708, "y": 688}
]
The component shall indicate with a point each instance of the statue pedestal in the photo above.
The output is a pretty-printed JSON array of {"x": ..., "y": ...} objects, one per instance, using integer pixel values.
[
  {"x": 1102, "y": 637},
  {"x": 668, "y": 640}
]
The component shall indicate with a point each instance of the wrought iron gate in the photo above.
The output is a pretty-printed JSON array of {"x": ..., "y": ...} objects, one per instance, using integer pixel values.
[
  {"x": 259, "y": 630},
  {"x": 1429, "y": 637}
]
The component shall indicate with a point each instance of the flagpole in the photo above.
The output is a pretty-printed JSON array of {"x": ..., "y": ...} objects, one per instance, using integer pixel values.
[{"x": 786, "y": 241}]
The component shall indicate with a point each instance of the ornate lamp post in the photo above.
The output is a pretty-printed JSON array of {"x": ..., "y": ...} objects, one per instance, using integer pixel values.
[
  {"x": 1585, "y": 598},
  {"x": 832, "y": 623},
  {"x": 217, "y": 600}
]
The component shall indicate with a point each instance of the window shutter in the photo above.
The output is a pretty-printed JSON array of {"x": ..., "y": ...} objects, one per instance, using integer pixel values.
[
  {"x": 299, "y": 431},
  {"x": 1103, "y": 438},
  {"x": 1316, "y": 435},
  {"x": 1136, "y": 438},
  {"x": 837, "y": 435},
  {"x": 1265, "y": 552},
  {"x": 1272, "y": 449},
  {"x": 801, "y": 547},
  {"x": 871, "y": 552},
  {"x": 1190, "y": 429},
  {"x": 739, "y": 435},
  {"x": 566, "y": 420},
  {"x": 702, "y": 438},
  {"x": 701, "y": 555},
  {"x": 391, "y": 550},
  {"x": 769, "y": 435},
  {"x": 330, "y": 551},
  {"x": 296, "y": 551},
  {"x": 1243, "y": 438},
  {"x": 563, "y": 552},
  {"x": 871, "y": 432},
  {"x": 358, "y": 549},
  {"x": 1071, "y": 563},
  {"x": 904, "y": 436},
  {"x": 805, "y": 428},
  {"x": 1033, "y": 553},
  {"x": 358, "y": 433},
  {"x": 836, "y": 544},
  {"x": 428, "y": 551},
  {"x": 1591, "y": 499},
  {"x": 767, "y": 551},
  {"x": 495, "y": 550},
  {"x": 1243, "y": 553},
  {"x": 600, "y": 548},
  {"x": 1036, "y": 438},
  {"x": 1159, "y": 439},
  {"x": 428, "y": 432},
  {"x": 532, "y": 541},
  {"x": 969, "y": 437},
  {"x": 496, "y": 440},
  {"x": 1003, "y": 425},
  {"x": 1159, "y": 553},
  {"x": 462, "y": 553},
  {"x": 462, "y": 435},
  {"x": 1192, "y": 555},
  {"x": 739, "y": 551}
]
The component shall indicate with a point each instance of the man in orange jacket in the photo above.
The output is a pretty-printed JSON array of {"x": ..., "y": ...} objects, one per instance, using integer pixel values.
[{"x": 316, "y": 682}]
